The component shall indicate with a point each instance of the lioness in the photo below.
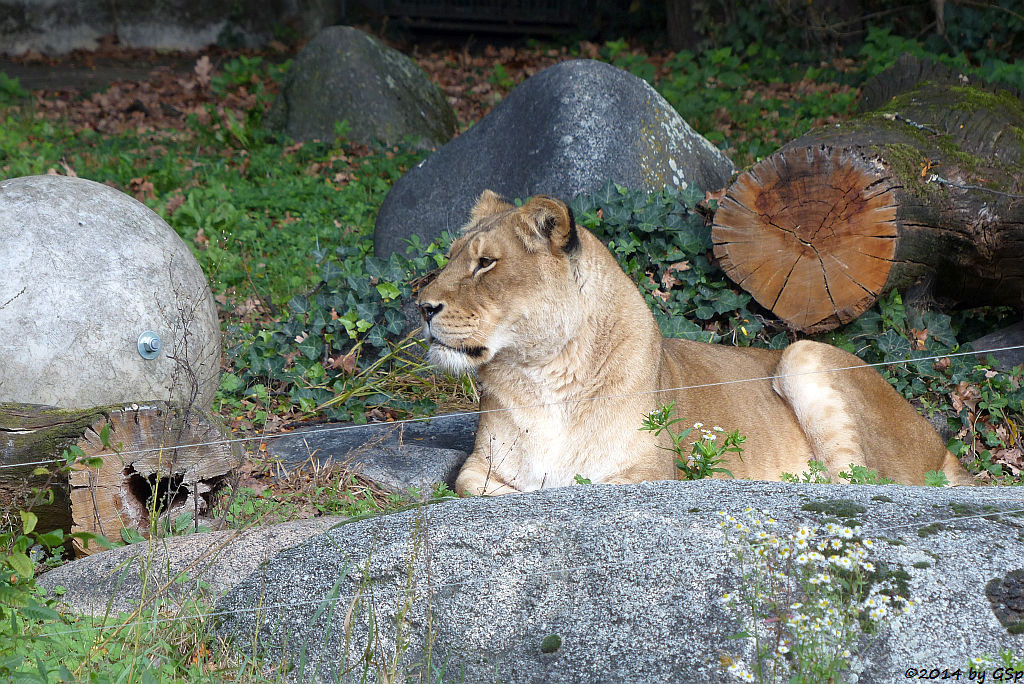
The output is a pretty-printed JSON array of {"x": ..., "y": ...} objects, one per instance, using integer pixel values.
[{"x": 570, "y": 359}]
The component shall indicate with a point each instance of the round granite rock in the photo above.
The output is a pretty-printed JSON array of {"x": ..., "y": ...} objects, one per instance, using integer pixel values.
[
  {"x": 86, "y": 271},
  {"x": 565, "y": 131}
]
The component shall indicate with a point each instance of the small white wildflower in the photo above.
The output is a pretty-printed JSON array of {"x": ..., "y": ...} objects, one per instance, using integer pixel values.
[
  {"x": 802, "y": 559},
  {"x": 836, "y": 544},
  {"x": 717, "y": 429},
  {"x": 722, "y": 513},
  {"x": 868, "y": 567},
  {"x": 978, "y": 663},
  {"x": 782, "y": 649},
  {"x": 878, "y": 613},
  {"x": 824, "y": 603},
  {"x": 844, "y": 563},
  {"x": 698, "y": 426},
  {"x": 832, "y": 528},
  {"x": 847, "y": 654},
  {"x": 796, "y": 606},
  {"x": 870, "y": 543},
  {"x": 804, "y": 533},
  {"x": 846, "y": 533},
  {"x": 800, "y": 543}
]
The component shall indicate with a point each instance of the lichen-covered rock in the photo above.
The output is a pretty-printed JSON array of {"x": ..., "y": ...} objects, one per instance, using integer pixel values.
[
  {"x": 620, "y": 583},
  {"x": 565, "y": 131},
  {"x": 86, "y": 270},
  {"x": 345, "y": 75}
]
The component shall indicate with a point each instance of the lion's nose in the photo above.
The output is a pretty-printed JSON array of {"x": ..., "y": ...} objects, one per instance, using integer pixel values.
[{"x": 429, "y": 310}]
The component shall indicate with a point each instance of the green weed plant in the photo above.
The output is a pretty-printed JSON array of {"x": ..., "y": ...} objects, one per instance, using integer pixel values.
[{"x": 701, "y": 456}]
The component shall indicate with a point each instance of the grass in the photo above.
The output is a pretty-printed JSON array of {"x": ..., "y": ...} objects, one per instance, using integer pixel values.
[{"x": 283, "y": 232}]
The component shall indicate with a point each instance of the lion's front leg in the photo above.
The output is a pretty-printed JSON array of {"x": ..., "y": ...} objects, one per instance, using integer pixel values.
[{"x": 477, "y": 478}]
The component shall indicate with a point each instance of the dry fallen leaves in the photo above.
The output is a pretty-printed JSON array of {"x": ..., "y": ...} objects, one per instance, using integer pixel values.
[{"x": 203, "y": 70}]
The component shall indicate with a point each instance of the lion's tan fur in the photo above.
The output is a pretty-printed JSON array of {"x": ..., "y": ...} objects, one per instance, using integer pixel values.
[{"x": 570, "y": 360}]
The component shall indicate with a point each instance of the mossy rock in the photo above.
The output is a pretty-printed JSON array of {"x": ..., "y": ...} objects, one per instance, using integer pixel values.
[{"x": 345, "y": 75}]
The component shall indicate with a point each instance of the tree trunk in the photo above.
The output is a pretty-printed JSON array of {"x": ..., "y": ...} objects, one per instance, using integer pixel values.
[
  {"x": 925, "y": 191},
  {"x": 679, "y": 24},
  {"x": 161, "y": 459}
]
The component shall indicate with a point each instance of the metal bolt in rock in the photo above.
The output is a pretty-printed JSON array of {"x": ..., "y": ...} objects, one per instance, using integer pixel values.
[{"x": 149, "y": 345}]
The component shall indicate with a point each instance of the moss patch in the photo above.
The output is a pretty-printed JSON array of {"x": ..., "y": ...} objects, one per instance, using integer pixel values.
[
  {"x": 929, "y": 530},
  {"x": 1006, "y": 596},
  {"x": 551, "y": 643},
  {"x": 839, "y": 508}
]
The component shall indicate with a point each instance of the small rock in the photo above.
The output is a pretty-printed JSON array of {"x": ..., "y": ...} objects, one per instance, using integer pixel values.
[
  {"x": 204, "y": 565},
  {"x": 412, "y": 454}
]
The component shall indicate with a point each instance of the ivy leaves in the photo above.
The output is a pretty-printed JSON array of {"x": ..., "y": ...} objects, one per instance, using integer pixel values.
[{"x": 664, "y": 245}]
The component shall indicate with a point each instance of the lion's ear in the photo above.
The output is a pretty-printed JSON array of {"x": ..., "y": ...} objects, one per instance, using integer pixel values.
[
  {"x": 551, "y": 221},
  {"x": 489, "y": 204}
]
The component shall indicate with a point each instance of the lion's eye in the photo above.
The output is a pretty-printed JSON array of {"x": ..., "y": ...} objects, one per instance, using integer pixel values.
[{"x": 484, "y": 263}]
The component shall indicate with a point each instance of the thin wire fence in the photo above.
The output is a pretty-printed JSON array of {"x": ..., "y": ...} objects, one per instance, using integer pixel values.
[
  {"x": 547, "y": 572},
  {"x": 396, "y": 423}
]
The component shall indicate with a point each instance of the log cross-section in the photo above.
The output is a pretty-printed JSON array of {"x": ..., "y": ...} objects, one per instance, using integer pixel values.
[
  {"x": 811, "y": 222},
  {"x": 924, "y": 194}
]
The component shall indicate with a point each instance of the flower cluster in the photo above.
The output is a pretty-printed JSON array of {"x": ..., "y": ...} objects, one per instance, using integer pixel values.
[{"x": 805, "y": 597}]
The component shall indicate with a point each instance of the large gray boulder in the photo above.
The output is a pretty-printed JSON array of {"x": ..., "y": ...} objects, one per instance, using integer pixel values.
[
  {"x": 86, "y": 271},
  {"x": 344, "y": 74},
  {"x": 565, "y": 131},
  {"x": 628, "y": 577}
]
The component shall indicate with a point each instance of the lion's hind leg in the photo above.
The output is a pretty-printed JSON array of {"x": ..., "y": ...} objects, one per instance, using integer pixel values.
[{"x": 807, "y": 384}]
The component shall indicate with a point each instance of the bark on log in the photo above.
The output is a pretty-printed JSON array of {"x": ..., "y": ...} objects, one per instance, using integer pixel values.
[
  {"x": 925, "y": 191},
  {"x": 159, "y": 455}
]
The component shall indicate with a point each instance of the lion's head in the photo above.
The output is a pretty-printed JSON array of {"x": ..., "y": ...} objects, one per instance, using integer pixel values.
[{"x": 509, "y": 286}]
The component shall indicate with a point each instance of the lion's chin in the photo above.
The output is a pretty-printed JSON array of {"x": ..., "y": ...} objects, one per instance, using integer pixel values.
[{"x": 456, "y": 361}]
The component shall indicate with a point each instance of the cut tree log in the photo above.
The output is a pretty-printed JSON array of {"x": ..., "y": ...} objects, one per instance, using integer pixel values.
[
  {"x": 161, "y": 459},
  {"x": 925, "y": 192}
]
